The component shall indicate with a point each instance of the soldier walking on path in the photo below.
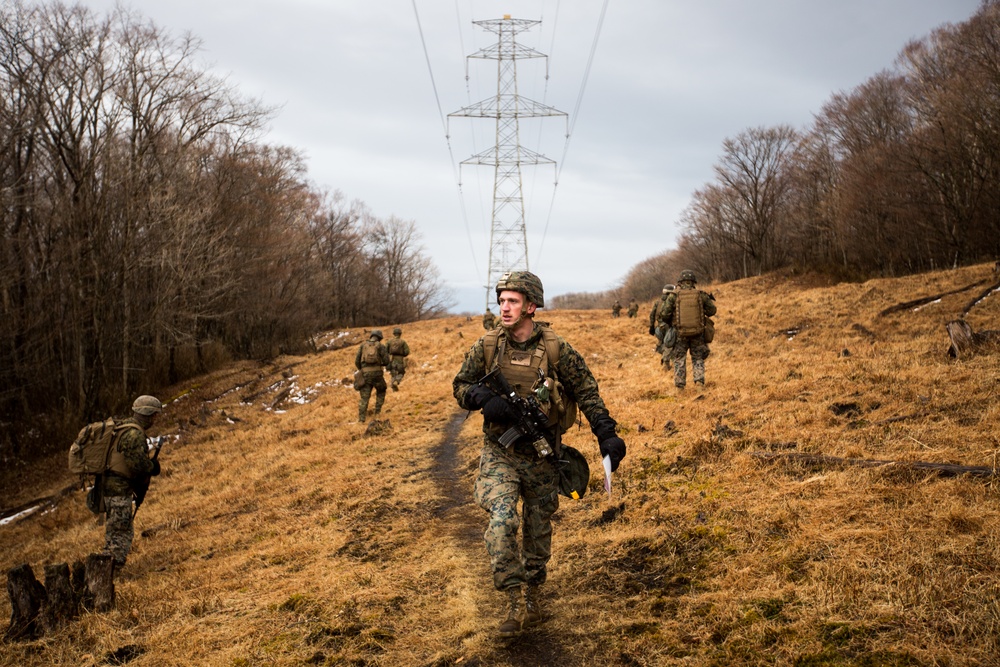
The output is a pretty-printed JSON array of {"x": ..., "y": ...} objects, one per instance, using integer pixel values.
[
  {"x": 398, "y": 352},
  {"x": 688, "y": 311},
  {"x": 129, "y": 464},
  {"x": 537, "y": 363},
  {"x": 371, "y": 359}
]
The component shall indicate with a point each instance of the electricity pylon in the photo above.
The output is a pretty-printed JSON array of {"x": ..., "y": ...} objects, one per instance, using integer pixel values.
[{"x": 508, "y": 235}]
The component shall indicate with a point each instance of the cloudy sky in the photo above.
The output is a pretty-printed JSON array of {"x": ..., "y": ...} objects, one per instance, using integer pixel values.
[{"x": 652, "y": 88}]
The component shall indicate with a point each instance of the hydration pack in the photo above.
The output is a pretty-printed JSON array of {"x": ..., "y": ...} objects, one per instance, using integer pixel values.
[
  {"x": 369, "y": 354},
  {"x": 93, "y": 451}
]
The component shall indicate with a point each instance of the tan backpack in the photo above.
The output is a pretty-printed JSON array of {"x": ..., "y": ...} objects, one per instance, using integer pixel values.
[{"x": 689, "y": 314}]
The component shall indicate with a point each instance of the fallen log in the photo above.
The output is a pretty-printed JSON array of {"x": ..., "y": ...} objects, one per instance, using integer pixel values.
[
  {"x": 965, "y": 342},
  {"x": 908, "y": 305},
  {"x": 943, "y": 469}
]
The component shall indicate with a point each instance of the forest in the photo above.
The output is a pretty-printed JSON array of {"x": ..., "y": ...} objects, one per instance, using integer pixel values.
[
  {"x": 149, "y": 232},
  {"x": 897, "y": 176}
]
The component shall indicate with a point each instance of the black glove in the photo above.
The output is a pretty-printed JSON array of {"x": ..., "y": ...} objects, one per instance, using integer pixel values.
[
  {"x": 497, "y": 410},
  {"x": 652, "y": 330},
  {"x": 477, "y": 396},
  {"x": 604, "y": 428},
  {"x": 156, "y": 468},
  {"x": 615, "y": 448}
]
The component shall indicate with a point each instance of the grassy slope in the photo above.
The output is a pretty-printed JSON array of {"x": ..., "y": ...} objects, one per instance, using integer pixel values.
[{"x": 286, "y": 537}]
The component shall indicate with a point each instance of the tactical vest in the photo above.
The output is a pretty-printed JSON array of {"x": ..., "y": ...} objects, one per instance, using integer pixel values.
[
  {"x": 96, "y": 450},
  {"x": 396, "y": 347},
  {"x": 527, "y": 371},
  {"x": 689, "y": 314}
]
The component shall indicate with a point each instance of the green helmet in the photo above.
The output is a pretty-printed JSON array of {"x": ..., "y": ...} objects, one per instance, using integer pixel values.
[
  {"x": 688, "y": 274},
  {"x": 376, "y": 333},
  {"x": 147, "y": 405},
  {"x": 526, "y": 283},
  {"x": 668, "y": 288},
  {"x": 574, "y": 473},
  {"x": 397, "y": 332}
]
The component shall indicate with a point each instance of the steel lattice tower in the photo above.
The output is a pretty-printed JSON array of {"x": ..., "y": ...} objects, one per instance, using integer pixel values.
[{"x": 508, "y": 235}]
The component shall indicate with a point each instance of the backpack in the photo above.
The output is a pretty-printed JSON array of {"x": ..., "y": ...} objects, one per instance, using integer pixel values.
[
  {"x": 369, "y": 354},
  {"x": 91, "y": 452},
  {"x": 565, "y": 407},
  {"x": 689, "y": 314},
  {"x": 396, "y": 346}
]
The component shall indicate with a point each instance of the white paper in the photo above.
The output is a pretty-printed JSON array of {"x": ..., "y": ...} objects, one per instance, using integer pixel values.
[{"x": 607, "y": 474}]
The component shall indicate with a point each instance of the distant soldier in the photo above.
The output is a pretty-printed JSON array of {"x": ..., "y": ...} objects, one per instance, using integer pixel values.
[
  {"x": 633, "y": 307},
  {"x": 371, "y": 359},
  {"x": 129, "y": 463},
  {"x": 654, "y": 328},
  {"x": 616, "y": 309},
  {"x": 489, "y": 319},
  {"x": 398, "y": 352},
  {"x": 687, "y": 311}
]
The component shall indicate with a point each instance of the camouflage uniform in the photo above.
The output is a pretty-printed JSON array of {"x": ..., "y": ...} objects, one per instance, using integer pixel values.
[
  {"x": 507, "y": 475},
  {"x": 374, "y": 378},
  {"x": 616, "y": 309},
  {"x": 119, "y": 530},
  {"x": 489, "y": 320},
  {"x": 696, "y": 345},
  {"x": 398, "y": 352},
  {"x": 633, "y": 308}
]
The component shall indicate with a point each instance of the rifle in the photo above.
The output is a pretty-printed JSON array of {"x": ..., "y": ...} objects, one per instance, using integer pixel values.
[
  {"x": 141, "y": 485},
  {"x": 530, "y": 420}
]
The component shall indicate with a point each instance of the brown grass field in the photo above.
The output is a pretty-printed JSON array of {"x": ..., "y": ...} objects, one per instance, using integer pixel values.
[{"x": 280, "y": 534}]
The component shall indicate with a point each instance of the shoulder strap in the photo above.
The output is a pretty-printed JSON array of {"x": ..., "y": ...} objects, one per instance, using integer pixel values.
[
  {"x": 551, "y": 342},
  {"x": 490, "y": 347}
]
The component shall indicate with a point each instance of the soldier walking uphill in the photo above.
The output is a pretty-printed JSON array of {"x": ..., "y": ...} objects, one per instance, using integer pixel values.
[
  {"x": 633, "y": 308},
  {"x": 398, "y": 352},
  {"x": 129, "y": 464},
  {"x": 616, "y": 309},
  {"x": 687, "y": 311},
  {"x": 489, "y": 319},
  {"x": 654, "y": 328},
  {"x": 371, "y": 359},
  {"x": 530, "y": 357}
]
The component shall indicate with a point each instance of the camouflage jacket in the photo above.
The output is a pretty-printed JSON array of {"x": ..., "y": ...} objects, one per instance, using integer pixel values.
[
  {"x": 577, "y": 380},
  {"x": 665, "y": 311},
  {"x": 132, "y": 444}
]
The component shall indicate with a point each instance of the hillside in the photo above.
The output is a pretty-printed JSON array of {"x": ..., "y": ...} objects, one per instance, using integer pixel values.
[{"x": 280, "y": 534}]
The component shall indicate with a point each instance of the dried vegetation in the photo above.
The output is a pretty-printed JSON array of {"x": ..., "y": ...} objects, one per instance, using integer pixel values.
[{"x": 280, "y": 534}]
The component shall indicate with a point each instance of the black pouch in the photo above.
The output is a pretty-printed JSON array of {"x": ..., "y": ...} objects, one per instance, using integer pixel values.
[{"x": 95, "y": 496}]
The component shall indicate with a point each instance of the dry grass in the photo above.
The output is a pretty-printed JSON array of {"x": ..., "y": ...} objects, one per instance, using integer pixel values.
[{"x": 286, "y": 537}]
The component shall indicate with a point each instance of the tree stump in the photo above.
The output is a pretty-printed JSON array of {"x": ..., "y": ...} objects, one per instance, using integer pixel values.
[
  {"x": 61, "y": 604},
  {"x": 26, "y": 598},
  {"x": 99, "y": 572},
  {"x": 965, "y": 342}
]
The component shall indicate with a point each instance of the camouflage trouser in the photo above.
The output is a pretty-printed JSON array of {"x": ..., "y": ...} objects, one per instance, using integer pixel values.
[
  {"x": 503, "y": 479},
  {"x": 118, "y": 531},
  {"x": 397, "y": 369},
  {"x": 699, "y": 352},
  {"x": 374, "y": 381}
]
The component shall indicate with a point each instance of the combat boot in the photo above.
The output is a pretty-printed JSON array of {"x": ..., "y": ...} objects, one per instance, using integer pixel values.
[
  {"x": 532, "y": 607},
  {"x": 515, "y": 614}
]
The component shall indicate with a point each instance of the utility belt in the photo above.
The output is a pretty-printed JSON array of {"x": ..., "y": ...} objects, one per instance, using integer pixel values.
[
  {"x": 522, "y": 447},
  {"x": 371, "y": 369}
]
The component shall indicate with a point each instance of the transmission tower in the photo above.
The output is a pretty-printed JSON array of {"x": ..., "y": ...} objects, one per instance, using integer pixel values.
[{"x": 508, "y": 235}]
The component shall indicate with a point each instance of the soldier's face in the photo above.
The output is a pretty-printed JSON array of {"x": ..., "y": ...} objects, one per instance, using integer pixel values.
[{"x": 513, "y": 307}]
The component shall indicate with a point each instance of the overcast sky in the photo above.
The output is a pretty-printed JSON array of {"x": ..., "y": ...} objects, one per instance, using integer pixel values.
[{"x": 668, "y": 81}]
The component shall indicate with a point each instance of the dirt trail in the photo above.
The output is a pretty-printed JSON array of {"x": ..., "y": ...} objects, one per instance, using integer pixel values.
[{"x": 457, "y": 508}]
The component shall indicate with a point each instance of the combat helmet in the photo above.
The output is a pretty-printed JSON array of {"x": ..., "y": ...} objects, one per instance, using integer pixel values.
[
  {"x": 669, "y": 288},
  {"x": 376, "y": 333},
  {"x": 525, "y": 282},
  {"x": 397, "y": 332},
  {"x": 574, "y": 473},
  {"x": 147, "y": 405},
  {"x": 688, "y": 274}
]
